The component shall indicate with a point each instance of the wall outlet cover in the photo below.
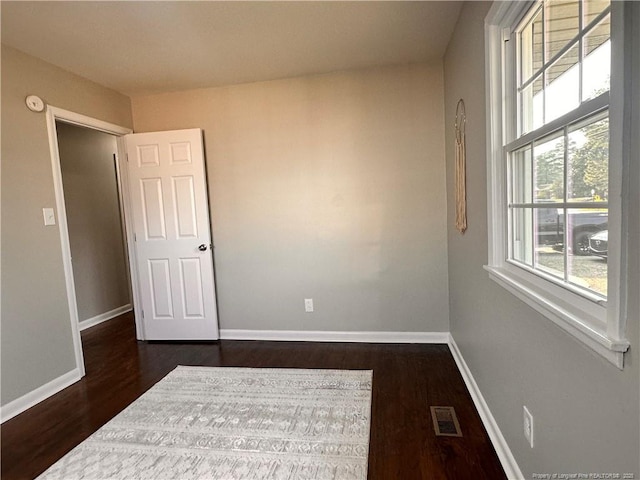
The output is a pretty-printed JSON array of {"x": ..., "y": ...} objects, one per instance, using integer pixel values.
[{"x": 308, "y": 305}]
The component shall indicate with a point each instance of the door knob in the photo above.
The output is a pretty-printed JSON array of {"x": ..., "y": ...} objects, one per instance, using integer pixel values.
[{"x": 202, "y": 247}]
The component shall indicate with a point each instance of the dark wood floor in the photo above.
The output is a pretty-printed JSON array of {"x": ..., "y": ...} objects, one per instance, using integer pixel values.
[{"x": 407, "y": 380}]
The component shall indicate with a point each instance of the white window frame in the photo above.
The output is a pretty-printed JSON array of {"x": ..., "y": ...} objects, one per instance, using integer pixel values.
[{"x": 597, "y": 323}]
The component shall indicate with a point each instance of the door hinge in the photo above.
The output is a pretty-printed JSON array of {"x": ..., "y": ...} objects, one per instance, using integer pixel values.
[
  {"x": 142, "y": 313},
  {"x": 126, "y": 155}
]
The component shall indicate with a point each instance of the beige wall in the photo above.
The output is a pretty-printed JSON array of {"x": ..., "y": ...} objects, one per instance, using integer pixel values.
[
  {"x": 327, "y": 187},
  {"x": 36, "y": 340},
  {"x": 100, "y": 269},
  {"x": 585, "y": 409}
]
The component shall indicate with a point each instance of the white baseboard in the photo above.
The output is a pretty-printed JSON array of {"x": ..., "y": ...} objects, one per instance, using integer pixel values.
[
  {"x": 330, "y": 336},
  {"x": 103, "y": 317},
  {"x": 27, "y": 401},
  {"x": 509, "y": 464}
]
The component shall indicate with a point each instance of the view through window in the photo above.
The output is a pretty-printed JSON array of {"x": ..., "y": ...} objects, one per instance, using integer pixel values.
[{"x": 558, "y": 163}]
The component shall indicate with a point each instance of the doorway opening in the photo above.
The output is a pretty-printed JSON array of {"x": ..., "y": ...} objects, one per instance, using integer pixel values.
[
  {"x": 162, "y": 196},
  {"x": 85, "y": 155},
  {"x": 95, "y": 223}
]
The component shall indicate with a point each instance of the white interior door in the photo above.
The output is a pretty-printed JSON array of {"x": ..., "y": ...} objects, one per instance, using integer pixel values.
[{"x": 172, "y": 236}]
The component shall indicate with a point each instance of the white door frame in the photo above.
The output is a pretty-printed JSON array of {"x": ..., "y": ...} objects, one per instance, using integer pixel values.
[{"x": 54, "y": 114}]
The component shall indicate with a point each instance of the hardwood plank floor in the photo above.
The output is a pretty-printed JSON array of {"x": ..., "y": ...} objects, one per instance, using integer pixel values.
[{"x": 407, "y": 380}]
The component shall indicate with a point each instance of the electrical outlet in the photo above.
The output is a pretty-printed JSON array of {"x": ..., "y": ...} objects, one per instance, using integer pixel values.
[
  {"x": 528, "y": 425},
  {"x": 308, "y": 305}
]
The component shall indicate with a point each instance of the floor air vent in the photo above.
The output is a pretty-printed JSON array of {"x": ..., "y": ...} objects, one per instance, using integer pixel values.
[{"x": 445, "y": 422}]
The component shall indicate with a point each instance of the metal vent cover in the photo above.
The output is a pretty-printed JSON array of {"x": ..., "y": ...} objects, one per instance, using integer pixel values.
[{"x": 445, "y": 422}]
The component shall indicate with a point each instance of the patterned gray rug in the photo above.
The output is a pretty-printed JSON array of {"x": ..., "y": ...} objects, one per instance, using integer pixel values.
[{"x": 234, "y": 423}]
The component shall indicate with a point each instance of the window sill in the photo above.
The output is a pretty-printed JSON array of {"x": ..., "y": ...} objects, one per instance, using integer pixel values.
[{"x": 573, "y": 320}]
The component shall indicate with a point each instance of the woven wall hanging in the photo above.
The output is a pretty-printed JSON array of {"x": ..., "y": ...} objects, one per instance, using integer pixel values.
[{"x": 461, "y": 168}]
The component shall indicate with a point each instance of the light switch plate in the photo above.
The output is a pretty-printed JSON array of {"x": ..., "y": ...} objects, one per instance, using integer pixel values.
[{"x": 49, "y": 216}]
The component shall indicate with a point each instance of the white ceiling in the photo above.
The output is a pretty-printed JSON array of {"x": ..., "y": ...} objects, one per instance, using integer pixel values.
[{"x": 148, "y": 47}]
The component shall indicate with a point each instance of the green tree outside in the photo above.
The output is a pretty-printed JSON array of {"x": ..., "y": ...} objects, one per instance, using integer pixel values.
[{"x": 588, "y": 175}]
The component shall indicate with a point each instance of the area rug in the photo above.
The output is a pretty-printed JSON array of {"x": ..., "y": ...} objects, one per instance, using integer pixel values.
[{"x": 234, "y": 423}]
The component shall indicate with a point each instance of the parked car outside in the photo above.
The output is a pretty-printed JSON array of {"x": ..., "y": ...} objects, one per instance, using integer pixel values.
[
  {"x": 599, "y": 243},
  {"x": 583, "y": 223}
]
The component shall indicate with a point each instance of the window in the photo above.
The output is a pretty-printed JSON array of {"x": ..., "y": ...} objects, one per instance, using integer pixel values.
[
  {"x": 559, "y": 178},
  {"x": 554, "y": 98}
]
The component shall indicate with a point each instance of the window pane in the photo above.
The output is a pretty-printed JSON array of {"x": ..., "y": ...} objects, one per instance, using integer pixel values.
[
  {"x": 584, "y": 222},
  {"x": 562, "y": 92},
  {"x": 532, "y": 99},
  {"x": 548, "y": 226},
  {"x": 548, "y": 247},
  {"x": 521, "y": 168},
  {"x": 531, "y": 47},
  {"x": 588, "y": 162},
  {"x": 596, "y": 69},
  {"x": 592, "y": 8},
  {"x": 588, "y": 237},
  {"x": 548, "y": 165},
  {"x": 521, "y": 246},
  {"x": 562, "y": 22}
]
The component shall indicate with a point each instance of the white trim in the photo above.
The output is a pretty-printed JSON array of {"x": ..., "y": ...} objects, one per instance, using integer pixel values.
[
  {"x": 496, "y": 198},
  {"x": 123, "y": 188},
  {"x": 36, "y": 396},
  {"x": 85, "y": 121},
  {"x": 597, "y": 324},
  {"x": 64, "y": 239},
  {"x": 53, "y": 114},
  {"x": 333, "y": 336},
  {"x": 103, "y": 317},
  {"x": 123, "y": 217},
  {"x": 622, "y": 137},
  {"x": 611, "y": 349},
  {"x": 508, "y": 461},
  {"x": 588, "y": 108}
]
